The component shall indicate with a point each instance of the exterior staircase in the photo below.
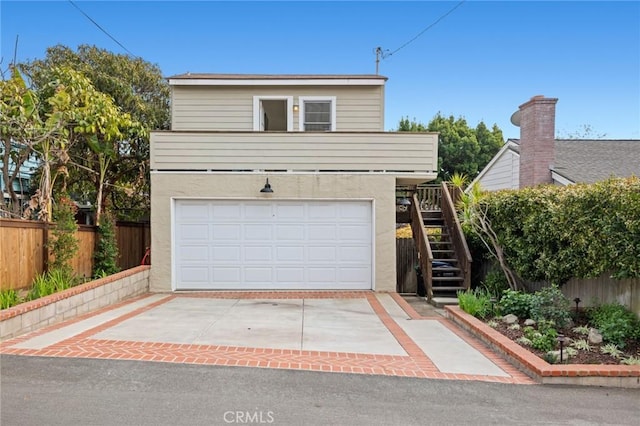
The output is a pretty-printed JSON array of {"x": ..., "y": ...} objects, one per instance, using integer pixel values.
[
  {"x": 447, "y": 277},
  {"x": 443, "y": 255}
]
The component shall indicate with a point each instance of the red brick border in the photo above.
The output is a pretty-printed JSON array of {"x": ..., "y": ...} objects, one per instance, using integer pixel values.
[
  {"x": 529, "y": 362},
  {"x": 73, "y": 291},
  {"x": 415, "y": 364}
]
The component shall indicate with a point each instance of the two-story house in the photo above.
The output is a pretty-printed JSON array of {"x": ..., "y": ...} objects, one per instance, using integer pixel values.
[{"x": 284, "y": 182}]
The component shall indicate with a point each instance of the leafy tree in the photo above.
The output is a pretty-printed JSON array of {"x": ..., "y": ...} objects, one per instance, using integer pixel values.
[
  {"x": 138, "y": 88},
  {"x": 461, "y": 149},
  {"x": 106, "y": 254},
  {"x": 20, "y": 125},
  {"x": 64, "y": 245},
  {"x": 90, "y": 120}
]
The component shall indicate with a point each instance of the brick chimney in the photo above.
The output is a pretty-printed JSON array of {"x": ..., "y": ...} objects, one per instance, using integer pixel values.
[{"x": 537, "y": 140}]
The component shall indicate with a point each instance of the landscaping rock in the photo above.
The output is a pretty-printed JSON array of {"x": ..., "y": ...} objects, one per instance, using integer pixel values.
[
  {"x": 529, "y": 322},
  {"x": 594, "y": 336},
  {"x": 565, "y": 355},
  {"x": 510, "y": 319}
]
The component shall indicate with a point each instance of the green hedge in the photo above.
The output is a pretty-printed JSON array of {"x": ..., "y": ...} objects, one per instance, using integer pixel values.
[{"x": 555, "y": 233}]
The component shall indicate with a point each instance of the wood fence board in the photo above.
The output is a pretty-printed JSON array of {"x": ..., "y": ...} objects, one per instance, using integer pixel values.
[
  {"x": 406, "y": 260},
  {"x": 22, "y": 249}
]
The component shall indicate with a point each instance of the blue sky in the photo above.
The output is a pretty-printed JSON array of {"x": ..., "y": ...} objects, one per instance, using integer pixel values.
[{"x": 480, "y": 62}]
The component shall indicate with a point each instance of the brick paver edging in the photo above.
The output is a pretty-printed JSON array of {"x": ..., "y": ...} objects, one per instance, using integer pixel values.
[
  {"x": 415, "y": 364},
  {"x": 627, "y": 376},
  {"x": 73, "y": 301}
]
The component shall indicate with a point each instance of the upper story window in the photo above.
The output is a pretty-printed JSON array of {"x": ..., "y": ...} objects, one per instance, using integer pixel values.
[
  {"x": 317, "y": 114},
  {"x": 273, "y": 113}
]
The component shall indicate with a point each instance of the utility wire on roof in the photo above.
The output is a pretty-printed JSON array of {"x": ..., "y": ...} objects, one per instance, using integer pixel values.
[
  {"x": 101, "y": 29},
  {"x": 383, "y": 54}
]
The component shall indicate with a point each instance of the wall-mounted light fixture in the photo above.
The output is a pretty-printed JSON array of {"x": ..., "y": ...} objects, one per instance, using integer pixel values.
[
  {"x": 267, "y": 187},
  {"x": 296, "y": 107},
  {"x": 404, "y": 201}
]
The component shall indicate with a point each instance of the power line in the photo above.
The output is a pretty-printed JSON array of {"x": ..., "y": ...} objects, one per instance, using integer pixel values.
[
  {"x": 386, "y": 55},
  {"x": 101, "y": 29}
]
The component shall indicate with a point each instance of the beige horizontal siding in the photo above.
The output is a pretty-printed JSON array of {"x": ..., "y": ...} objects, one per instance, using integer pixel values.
[
  {"x": 503, "y": 173},
  {"x": 295, "y": 151},
  {"x": 209, "y": 108}
]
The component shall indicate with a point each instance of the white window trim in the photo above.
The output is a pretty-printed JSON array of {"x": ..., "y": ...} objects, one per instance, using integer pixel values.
[
  {"x": 301, "y": 101},
  {"x": 256, "y": 110}
]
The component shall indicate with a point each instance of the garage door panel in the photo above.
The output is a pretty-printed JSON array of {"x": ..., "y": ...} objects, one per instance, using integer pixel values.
[
  {"x": 287, "y": 254},
  {"x": 290, "y": 211},
  {"x": 226, "y": 231},
  {"x": 318, "y": 274},
  {"x": 327, "y": 232},
  {"x": 194, "y": 275},
  {"x": 354, "y": 232},
  {"x": 358, "y": 254},
  {"x": 258, "y": 253},
  {"x": 192, "y": 253},
  {"x": 258, "y": 211},
  {"x": 227, "y": 252},
  {"x": 258, "y": 232},
  {"x": 325, "y": 212},
  {"x": 194, "y": 232},
  {"x": 267, "y": 244},
  {"x": 226, "y": 210},
  {"x": 355, "y": 211},
  {"x": 322, "y": 254},
  {"x": 290, "y": 276},
  {"x": 289, "y": 232},
  {"x": 262, "y": 275},
  {"x": 353, "y": 273},
  {"x": 190, "y": 211},
  {"x": 229, "y": 275}
]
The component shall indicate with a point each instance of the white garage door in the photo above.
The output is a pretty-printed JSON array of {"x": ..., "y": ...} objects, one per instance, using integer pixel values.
[{"x": 296, "y": 245}]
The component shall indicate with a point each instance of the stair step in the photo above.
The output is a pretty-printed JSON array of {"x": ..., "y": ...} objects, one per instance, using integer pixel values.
[
  {"x": 442, "y": 251},
  {"x": 446, "y": 260},
  {"x": 440, "y": 242},
  {"x": 447, "y": 288},
  {"x": 434, "y": 279},
  {"x": 439, "y": 269}
]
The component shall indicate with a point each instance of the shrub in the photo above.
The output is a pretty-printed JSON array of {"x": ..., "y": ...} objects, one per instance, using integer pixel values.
[
  {"x": 544, "y": 338},
  {"x": 9, "y": 298},
  {"x": 556, "y": 233},
  {"x": 615, "y": 322},
  {"x": 632, "y": 360},
  {"x": 106, "y": 254},
  {"x": 64, "y": 245},
  {"x": 495, "y": 283},
  {"x": 51, "y": 282},
  {"x": 516, "y": 302},
  {"x": 476, "y": 303},
  {"x": 550, "y": 304},
  {"x": 611, "y": 349},
  {"x": 581, "y": 344}
]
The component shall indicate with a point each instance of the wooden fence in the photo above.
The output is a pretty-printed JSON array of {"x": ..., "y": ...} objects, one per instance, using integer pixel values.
[
  {"x": 406, "y": 261},
  {"x": 24, "y": 253}
]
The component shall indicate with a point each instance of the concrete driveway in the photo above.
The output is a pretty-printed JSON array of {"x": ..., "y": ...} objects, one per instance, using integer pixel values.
[{"x": 356, "y": 332}]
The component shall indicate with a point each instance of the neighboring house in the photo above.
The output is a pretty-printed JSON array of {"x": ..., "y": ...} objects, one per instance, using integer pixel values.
[
  {"x": 537, "y": 157},
  {"x": 22, "y": 183},
  {"x": 281, "y": 182}
]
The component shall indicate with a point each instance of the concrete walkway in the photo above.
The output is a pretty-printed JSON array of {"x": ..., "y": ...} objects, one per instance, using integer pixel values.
[{"x": 355, "y": 332}]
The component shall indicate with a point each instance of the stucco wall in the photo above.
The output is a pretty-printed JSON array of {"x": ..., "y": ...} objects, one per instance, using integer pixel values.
[{"x": 380, "y": 188}]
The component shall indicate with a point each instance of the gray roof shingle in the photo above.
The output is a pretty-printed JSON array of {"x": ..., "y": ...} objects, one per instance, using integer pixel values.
[{"x": 589, "y": 160}]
